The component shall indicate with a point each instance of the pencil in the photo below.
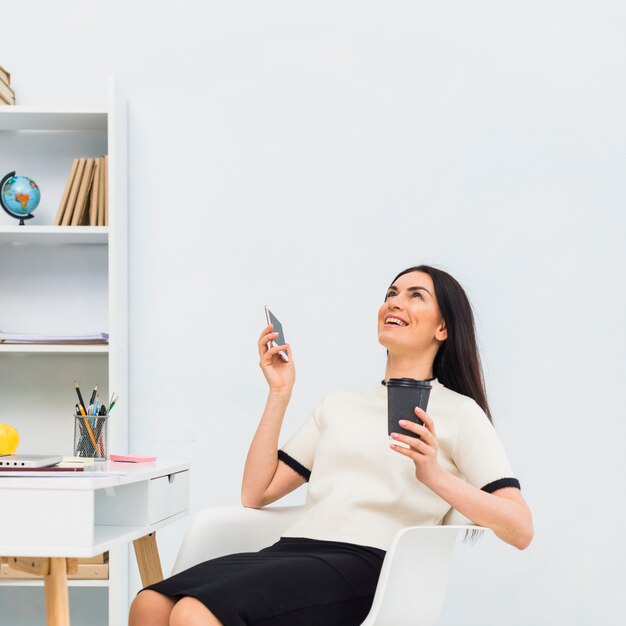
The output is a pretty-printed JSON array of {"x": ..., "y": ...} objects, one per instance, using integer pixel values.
[
  {"x": 113, "y": 403},
  {"x": 90, "y": 432},
  {"x": 97, "y": 433}
]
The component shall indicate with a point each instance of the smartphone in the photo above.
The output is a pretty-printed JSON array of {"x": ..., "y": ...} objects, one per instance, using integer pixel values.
[{"x": 278, "y": 328}]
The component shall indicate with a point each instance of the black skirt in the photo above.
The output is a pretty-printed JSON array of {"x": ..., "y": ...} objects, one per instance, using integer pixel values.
[{"x": 295, "y": 582}]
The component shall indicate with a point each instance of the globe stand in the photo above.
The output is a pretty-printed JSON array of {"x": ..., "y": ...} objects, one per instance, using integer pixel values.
[{"x": 21, "y": 218}]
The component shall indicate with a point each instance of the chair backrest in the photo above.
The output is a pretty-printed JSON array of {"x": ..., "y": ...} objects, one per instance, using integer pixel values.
[
  {"x": 414, "y": 577},
  {"x": 412, "y": 583},
  {"x": 220, "y": 530},
  {"x": 454, "y": 518}
]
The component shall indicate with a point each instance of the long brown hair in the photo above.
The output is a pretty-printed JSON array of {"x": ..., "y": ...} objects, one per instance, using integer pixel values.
[{"x": 457, "y": 362}]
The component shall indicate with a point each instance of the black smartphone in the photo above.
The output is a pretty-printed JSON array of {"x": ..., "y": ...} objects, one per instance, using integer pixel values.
[{"x": 278, "y": 328}]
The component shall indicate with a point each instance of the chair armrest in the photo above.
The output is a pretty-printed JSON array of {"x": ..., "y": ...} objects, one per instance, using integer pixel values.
[
  {"x": 415, "y": 574},
  {"x": 219, "y": 530}
]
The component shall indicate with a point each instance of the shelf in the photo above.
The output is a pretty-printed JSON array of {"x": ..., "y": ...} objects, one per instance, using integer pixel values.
[
  {"x": 72, "y": 582},
  {"x": 106, "y": 537},
  {"x": 20, "y": 117},
  {"x": 31, "y": 348},
  {"x": 54, "y": 235}
]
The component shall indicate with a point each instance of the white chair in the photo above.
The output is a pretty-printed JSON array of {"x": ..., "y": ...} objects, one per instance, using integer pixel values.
[{"x": 414, "y": 573}]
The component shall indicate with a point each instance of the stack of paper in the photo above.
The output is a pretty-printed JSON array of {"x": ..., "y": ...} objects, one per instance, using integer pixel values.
[{"x": 44, "y": 338}]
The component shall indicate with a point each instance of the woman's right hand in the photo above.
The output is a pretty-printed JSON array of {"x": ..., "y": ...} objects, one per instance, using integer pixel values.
[{"x": 280, "y": 376}]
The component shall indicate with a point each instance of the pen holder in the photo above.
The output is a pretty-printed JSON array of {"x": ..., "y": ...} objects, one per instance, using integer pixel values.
[{"x": 91, "y": 436}]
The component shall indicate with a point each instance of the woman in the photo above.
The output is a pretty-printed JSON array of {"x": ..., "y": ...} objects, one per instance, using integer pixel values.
[{"x": 362, "y": 489}]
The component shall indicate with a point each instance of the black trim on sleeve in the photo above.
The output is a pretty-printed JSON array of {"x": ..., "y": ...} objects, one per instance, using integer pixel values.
[
  {"x": 501, "y": 483},
  {"x": 294, "y": 465}
]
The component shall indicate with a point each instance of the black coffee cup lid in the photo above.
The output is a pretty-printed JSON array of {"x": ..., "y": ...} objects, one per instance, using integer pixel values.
[{"x": 407, "y": 382}]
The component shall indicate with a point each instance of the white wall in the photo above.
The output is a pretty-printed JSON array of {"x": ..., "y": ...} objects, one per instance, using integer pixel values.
[{"x": 300, "y": 155}]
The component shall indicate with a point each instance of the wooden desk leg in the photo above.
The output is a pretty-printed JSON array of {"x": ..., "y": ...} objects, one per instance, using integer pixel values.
[
  {"x": 57, "y": 596},
  {"x": 148, "y": 559}
]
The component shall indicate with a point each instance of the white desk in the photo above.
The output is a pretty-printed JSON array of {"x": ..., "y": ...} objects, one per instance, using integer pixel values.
[{"x": 47, "y": 521}]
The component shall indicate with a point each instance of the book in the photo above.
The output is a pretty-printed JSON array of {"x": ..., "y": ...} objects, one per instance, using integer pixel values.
[
  {"x": 71, "y": 201},
  {"x": 102, "y": 213},
  {"x": 106, "y": 190},
  {"x": 84, "y": 197},
  {"x": 95, "y": 191},
  {"x": 97, "y": 213},
  {"x": 7, "y": 94},
  {"x": 81, "y": 199},
  {"x": 66, "y": 194},
  {"x": 5, "y": 76}
]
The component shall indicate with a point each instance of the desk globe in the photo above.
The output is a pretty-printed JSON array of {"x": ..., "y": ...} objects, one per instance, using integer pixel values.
[{"x": 19, "y": 196}]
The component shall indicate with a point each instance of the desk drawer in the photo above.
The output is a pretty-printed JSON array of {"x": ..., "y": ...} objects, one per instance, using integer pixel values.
[{"x": 169, "y": 495}]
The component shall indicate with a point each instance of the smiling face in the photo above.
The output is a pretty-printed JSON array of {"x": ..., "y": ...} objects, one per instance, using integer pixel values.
[{"x": 409, "y": 321}]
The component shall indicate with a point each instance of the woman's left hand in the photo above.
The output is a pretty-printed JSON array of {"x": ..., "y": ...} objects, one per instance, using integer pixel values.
[{"x": 422, "y": 450}]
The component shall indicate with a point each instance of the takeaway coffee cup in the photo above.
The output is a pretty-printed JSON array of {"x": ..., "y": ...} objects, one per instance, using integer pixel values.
[{"x": 403, "y": 395}]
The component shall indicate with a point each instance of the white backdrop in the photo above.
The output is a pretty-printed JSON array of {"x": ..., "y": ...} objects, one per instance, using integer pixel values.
[{"x": 300, "y": 155}]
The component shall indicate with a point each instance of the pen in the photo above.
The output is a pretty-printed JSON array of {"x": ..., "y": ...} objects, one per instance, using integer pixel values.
[
  {"x": 80, "y": 397},
  {"x": 93, "y": 394}
]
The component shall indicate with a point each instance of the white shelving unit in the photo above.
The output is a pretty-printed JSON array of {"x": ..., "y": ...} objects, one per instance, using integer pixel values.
[
  {"x": 53, "y": 235},
  {"x": 64, "y": 279}
]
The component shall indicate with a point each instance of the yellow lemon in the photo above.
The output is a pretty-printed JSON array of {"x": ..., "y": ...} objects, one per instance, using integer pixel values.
[{"x": 9, "y": 438}]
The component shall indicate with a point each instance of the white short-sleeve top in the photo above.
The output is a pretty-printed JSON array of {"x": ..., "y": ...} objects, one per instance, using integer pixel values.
[{"x": 361, "y": 491}]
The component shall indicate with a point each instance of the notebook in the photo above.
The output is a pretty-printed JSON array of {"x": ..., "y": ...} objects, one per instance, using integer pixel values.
[{"x": 29, "y": 460}]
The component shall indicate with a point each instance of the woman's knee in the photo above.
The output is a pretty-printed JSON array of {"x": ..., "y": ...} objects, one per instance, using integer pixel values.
[
  {"x": 191, "y": 612},
  {"x": 150, "y": 608}
]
